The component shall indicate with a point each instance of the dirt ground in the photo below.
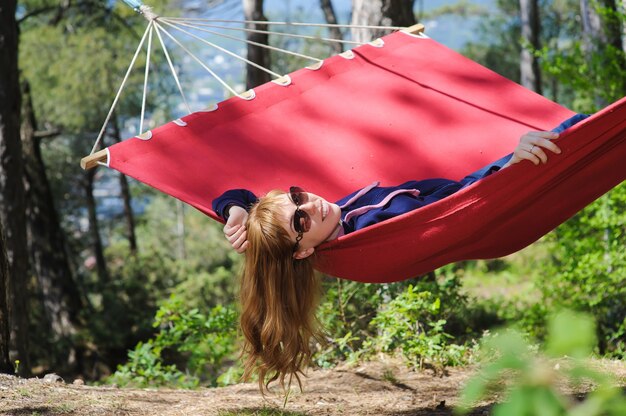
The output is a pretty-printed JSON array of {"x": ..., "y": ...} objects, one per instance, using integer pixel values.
[{"x": 382, "y": 388}]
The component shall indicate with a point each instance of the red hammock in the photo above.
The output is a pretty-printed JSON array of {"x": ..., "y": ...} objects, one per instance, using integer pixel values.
[{"x": 412, "y": 109}]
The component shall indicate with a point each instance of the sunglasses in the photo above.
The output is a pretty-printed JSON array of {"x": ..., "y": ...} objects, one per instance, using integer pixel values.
[{"x": 301, "y": 220}]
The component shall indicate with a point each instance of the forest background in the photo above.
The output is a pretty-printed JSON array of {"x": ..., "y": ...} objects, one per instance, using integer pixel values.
[{"x": 105, "y": 279}]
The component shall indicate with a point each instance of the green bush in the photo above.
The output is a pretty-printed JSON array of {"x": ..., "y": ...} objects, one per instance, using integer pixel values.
[
  {"x": 411, "y": 323},
  {"x": 203, "y": 346},
  {"x": 586, "y": 272},
  {"x": 419, "y": 317}
]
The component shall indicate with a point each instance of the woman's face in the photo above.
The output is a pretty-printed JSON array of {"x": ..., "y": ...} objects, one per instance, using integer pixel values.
[{"x": 324, "y": 219}]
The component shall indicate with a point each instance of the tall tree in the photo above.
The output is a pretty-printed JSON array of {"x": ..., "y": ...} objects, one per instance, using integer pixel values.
[
  {"x": 125, "y": 193},
  {"x": 531, "y": 34},
  {"x": 380, "y": 13},
  {"x": 12, "y": 203},
  {"x": 5, "y": 362},
  {"x": 60, "y": 296},
  {"x": 253, "y": 11},
  {"x": 331, "y": 18},
  {"x": 603, "y": 39},
  {"x": 94, "y": 227}
]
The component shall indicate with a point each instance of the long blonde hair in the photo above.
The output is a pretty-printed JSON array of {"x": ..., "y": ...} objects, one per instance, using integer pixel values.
[{"x": 279, "y": 295}]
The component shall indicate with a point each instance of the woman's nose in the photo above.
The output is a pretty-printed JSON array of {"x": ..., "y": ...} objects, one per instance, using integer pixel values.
[{"x": 308, "y": 207}]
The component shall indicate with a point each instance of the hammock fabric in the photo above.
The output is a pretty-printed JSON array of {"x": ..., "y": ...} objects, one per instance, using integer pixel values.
[{"x": 411, "y": 109}]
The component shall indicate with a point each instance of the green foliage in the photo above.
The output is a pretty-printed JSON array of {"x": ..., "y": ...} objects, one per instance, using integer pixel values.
[
  {"x": 462, "y": 8},
  {"x": 345, "y": 314},
  {"x": 497, "y": 43},
  {"x": 532, "y": 378},
  {"x": 583, "y": 71},
  {"x": 200, "y": 344},
  {"x": 583, "y": 268},
  {"x": 201, "y": 278},
  {"x": 589, "y": 267},
  {"x": 415, "y": 317},
  {"x": 411, "y": 323}
]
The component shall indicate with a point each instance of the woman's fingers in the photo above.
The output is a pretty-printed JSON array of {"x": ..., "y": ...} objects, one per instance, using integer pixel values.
[
  {"x": 539, "y": 154},
  {"x": 544, "y": 140},
  {"x": 229, "y": 230},
  {"x": 529, "y": 155},
  {"x": 533, "y": 146},
  {"x": 243, "y": 247},
  {"x": 234, "y": 232},
  {"x": 237, "y": 237},
  {"x": 240, "y": 241}
]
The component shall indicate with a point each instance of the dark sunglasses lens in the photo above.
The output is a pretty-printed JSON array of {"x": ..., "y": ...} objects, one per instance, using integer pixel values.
[
  {"x": 301, "y": 221},
  {"x": 295, "y": 192}
]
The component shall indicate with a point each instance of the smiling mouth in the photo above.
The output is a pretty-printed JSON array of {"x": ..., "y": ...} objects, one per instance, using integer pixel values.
[{"x": 324, "y": 210}]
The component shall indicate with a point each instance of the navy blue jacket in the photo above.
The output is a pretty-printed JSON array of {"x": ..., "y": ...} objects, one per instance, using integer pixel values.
[{"x": 430, "y": 190}]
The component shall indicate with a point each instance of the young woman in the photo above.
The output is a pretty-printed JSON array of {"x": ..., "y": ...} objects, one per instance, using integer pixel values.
[{"x": 279, "y": 232}]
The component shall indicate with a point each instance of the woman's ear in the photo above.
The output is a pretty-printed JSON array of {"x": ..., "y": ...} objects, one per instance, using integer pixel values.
[{"x": 303, "y": 254}]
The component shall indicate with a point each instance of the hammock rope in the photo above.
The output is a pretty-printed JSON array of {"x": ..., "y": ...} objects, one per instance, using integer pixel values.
[
  {"x": 278, "y": 23},
  {"x": 145, "y": 81},
  {"x": 268, "y": 32},
  {"x": 234, "y": 55},
  {"x": 119, "y": 91},
  {"x": 174, "y": 72},
  {"x": 199, "y": 61}
]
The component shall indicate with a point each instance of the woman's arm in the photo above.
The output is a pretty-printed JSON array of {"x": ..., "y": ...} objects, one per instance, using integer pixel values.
[
  {"x": 233, "y": 207},
  {"x": 235, "y": 228},
  {"x": 532, "y": 146}
]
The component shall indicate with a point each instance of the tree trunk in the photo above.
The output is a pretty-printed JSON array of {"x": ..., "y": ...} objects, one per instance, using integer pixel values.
[
  {"x": 126, "y": 197},
  {"x": 253, "y": 10},
  {"x": 5, "y": 362},
  {"x": 531, "y": 30},
  {"x": 624, "y": 26},
  {"x": 60, "y": 297},
  {"x": 380, "y": 13},
  {"x": 613, "y": 31},
  {"x": 331, "y": 18},
  {"x": 103, "y": 274},
  {"x": 601, "y": 31},
  {"x": 12, "y": 202}
]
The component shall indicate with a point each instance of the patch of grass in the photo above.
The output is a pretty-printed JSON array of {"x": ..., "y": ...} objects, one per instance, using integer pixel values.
[
  {"x": 389, "y": 376},
  {"x": 24, "y": 392},
  {"x": 65, "y": 407},
  {"x": 508, "y": 277},
  {"x": 261, "y": 411}
]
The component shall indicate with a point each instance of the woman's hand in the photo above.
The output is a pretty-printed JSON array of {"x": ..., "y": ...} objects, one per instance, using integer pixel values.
[
  {"x": 533, "y": 146},
  {"x": 235, "y": 228}
]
